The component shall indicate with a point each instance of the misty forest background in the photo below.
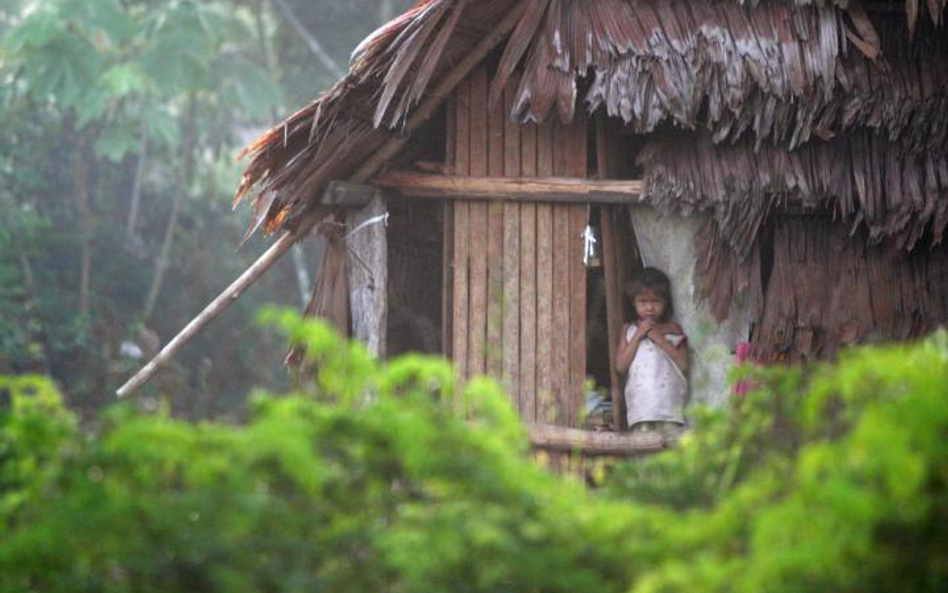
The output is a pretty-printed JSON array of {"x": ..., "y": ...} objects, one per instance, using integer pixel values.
[{"x": 121, "y": 125}]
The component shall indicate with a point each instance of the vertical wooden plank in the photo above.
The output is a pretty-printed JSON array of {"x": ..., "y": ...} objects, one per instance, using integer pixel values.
[
  {"x": 546, "y": 406},
  {"x": 511, "y": 272},
  {"x": 447, "y": 235},
  {"x": 577, "y": 313},
  {"x": 565, "y": 241},
  {"x": 578, "y": 216},
  {"x": 528, "y": 280},
  {"x": 447, "y": 280},
  {"x": 559, "y": 336},
  {"x": 495, "y": 246},
  {"x": 461, "y": 234},
  {"x": 477, "y": 327},
  {"x": 613, "y": 294}
]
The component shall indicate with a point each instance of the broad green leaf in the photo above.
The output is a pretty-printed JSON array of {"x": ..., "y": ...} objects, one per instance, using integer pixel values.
[
  {"x": 162, "y": 126},
  {"x": 91, "y": 105},
  {"x": 115, "y": 142},
  {"x": 124, "y": 79}
]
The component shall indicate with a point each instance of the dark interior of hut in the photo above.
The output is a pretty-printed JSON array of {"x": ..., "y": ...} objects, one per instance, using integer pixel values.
[
  {"x": 415, "y": 276},
  {"x": 415, "y": 254}
]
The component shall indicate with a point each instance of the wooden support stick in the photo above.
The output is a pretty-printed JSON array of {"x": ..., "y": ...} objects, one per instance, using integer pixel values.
[
  {"x": 212, "y": 310},
  {"x": 562, "y": 438},
  {"x": 367, "y": 170}
]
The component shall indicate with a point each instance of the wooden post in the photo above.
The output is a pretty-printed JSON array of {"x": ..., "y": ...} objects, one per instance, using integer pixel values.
[
  {"x": 613, "y": 289},
  {"x": 367, "y": 267},
  {"x": 528, "y": 281}
]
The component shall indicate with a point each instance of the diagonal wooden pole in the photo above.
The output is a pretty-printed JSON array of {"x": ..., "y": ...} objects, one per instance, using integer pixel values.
[{"x": 389, "y": 149}]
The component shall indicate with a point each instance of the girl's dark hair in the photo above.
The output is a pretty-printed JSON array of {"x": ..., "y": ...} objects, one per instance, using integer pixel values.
[{"x": 650, "y": 279}]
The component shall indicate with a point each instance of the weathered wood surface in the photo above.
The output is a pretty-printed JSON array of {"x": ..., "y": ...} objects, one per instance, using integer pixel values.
[
  {"x": 559, "y": 332},
  {"x": 461, "y": 249},
  {"x": 367, "y": 270},
  {"x": 588, "y": 442},
  {"x": 524, "y": 319},
  {"x": 546, "y": 406},
  {"x": 613, "y": 316},
  {"x": 576, "y": 148},
  {"x": 511, "y": 309},
  {"x": 606, "y": 153},
  {"x": 528, "y": 281},
  {"x": 564, "y": 189},
  {"x": 495, "y": 247},
  {"x": 447, "y": 236},
  {"x": 477, "y": 328}
]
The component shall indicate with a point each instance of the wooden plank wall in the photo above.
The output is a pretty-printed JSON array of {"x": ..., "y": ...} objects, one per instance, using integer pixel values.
[{"x": 519, "y": 283}]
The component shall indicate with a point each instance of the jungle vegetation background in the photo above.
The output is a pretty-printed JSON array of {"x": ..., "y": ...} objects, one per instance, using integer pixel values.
[{"x": 121, "y": 124}]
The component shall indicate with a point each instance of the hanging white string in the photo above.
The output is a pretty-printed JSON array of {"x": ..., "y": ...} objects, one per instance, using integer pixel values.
[
  {"x": 383, "y": 218},
  {"x": 589, "y": 243}
]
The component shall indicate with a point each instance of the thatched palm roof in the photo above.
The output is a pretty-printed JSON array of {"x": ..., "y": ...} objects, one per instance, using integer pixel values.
[{"x": 764, "y": 78}]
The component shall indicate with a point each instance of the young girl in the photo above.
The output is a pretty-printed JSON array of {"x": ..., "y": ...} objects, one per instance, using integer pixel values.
[{"x": 653, "y": 352}]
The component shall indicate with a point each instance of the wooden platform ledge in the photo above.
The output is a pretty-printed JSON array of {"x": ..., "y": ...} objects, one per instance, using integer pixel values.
[
  {"x": 534, "y": 189},
  {"x": 588, "y": 442}
]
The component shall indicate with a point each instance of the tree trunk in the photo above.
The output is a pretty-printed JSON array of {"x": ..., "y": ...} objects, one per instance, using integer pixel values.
[
  {"x": 31, "y": 305},
  {"x": 184, "y": 181},
  {"x": 137, "y": 185},
  {"x": 81, "y": 189}
]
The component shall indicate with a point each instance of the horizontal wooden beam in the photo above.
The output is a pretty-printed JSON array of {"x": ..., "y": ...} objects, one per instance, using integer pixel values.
[
  {"x": 588, "y": 442},
  {"x": 530, "y": 189}
]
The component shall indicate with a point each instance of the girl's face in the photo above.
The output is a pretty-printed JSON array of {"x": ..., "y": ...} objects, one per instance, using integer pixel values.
[{"x": 649, "y": 305}]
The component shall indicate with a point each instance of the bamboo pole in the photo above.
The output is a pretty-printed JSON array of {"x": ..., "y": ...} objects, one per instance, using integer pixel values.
[
  {"x": 283, "y": 244},
  {"x": 215, "y": 308}
]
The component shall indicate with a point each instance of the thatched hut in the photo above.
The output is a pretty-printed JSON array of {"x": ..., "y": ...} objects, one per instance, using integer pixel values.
[{"x": 786, "y": 161}]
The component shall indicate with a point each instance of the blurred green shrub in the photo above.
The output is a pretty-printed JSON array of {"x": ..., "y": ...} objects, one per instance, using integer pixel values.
[{"x": 381, "y": 477}]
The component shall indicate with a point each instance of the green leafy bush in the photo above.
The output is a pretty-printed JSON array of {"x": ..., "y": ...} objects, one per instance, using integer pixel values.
[{"x": 384, "y": 477}]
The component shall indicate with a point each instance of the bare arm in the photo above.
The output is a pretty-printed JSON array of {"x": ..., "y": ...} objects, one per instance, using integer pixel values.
[{"x": 626, "y": 349}]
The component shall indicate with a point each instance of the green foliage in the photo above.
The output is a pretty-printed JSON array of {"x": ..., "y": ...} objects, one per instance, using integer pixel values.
[
  {"x": 92, "y": 92},
  {"x": 383, "y": 477}
]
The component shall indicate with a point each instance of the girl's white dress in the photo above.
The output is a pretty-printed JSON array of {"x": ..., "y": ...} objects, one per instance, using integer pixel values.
[{"x": 656, "y": 389}]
